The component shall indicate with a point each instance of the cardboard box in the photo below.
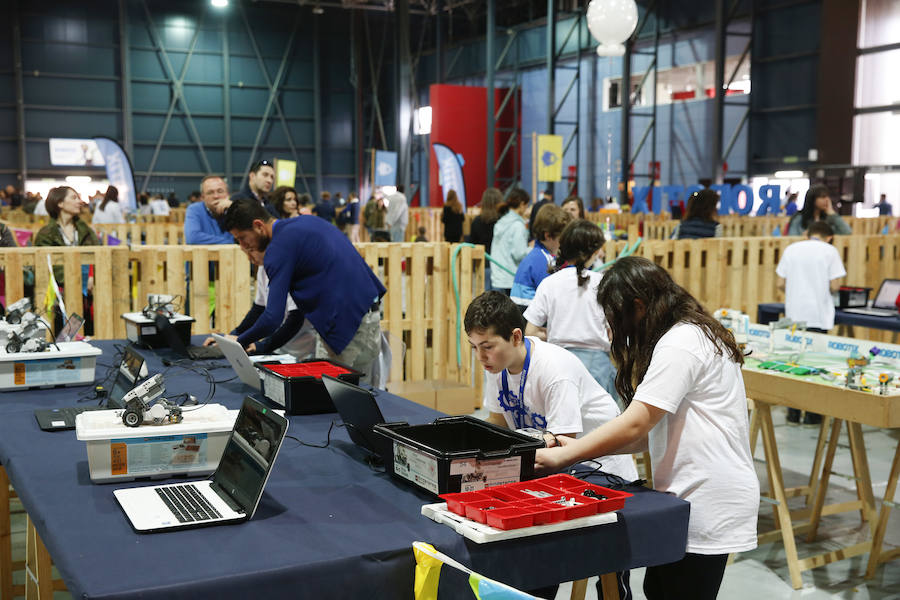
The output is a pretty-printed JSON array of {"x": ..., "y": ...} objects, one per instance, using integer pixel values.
[{"x": 449, "y": 397}]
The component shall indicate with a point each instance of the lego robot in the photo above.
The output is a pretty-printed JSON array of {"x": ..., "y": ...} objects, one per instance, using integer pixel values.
[{"x": 138, "y": 407}]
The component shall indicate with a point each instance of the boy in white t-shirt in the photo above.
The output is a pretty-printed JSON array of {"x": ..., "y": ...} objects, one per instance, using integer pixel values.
[
  {"x": 809, "y": 272},
  {"x": 530, "y": 383}
]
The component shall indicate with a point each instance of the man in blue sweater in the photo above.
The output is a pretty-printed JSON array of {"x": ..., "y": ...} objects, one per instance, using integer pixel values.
[
  {"x": 324, "y": 275},
  {"x": 201, "y": 219}
]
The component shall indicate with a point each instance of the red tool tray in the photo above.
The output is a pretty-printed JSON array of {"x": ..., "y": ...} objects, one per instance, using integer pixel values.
[
  {"x": 537, "y": 502},
  {"x": 309, "y": 369}
]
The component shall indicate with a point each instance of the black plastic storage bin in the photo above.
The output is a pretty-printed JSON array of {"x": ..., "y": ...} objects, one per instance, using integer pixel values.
[
  {"x": 298, "y": 388},
  {"x": 852, "y": 297},
  {"x": 458, "y": 454}
]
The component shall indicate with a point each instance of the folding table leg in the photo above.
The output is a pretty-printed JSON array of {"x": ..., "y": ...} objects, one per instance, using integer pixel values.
[
  {"x": 816, "y": 513},
  {"x": 754, "y": 426},
  {"x": 817, "y": 459},
  {"x": 6, "y": 578},
  {"x": 881, "y": 527},
  {"x": 776, "y": 485}
]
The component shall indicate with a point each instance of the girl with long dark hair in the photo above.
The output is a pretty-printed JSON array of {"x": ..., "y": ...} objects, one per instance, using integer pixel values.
[
  {"x": 680, "y": 377},
  {"x": 817, "y": 206},
  {"x": 109, "y": 210}
]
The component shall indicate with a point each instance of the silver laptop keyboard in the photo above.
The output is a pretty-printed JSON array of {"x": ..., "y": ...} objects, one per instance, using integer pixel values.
[{"x": 187, "y": 503}]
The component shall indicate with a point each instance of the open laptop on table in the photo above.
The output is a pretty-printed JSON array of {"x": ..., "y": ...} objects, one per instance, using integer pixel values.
[
  {"x": 884, "y": 304},
  {"x": 233, "y": 493},
  {"x": 173, "y": 339},
  {"x": 360, "y": 413},
  {"x": 242, "y": 363},
  {"x": 127, "y": 375}
]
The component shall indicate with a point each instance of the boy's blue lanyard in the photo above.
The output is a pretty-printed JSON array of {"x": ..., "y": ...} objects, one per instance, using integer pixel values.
[{"x": 516, "y": 406}]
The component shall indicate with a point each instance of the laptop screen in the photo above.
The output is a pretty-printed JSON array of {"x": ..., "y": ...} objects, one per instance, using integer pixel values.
[
  {"x": 887, "y": 294},
  {"x": 70, "y": 329},
  {"x": 249, "y": 454},
  {"x": 126, "y": 376},
  {"x": 359, "y": 411}
]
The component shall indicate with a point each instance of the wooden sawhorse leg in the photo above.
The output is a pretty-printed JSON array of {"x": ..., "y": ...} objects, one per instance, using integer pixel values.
[
  {"x": 866, "y": 502},
  {"x": 876, "y": 557},
  {"x": 776, "y": 488},
  {"x": 38, "y": 574}
]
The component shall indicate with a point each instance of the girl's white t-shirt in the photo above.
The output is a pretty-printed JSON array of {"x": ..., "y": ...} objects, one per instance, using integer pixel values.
[
  {"x": 570, "y": 312},
  {"x": 111, "y": 214},
  {"x": 560, "y": 396},
  {"x": 700, "y": 450}
]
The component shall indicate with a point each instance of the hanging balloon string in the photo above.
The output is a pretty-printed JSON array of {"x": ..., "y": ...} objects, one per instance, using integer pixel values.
[{"x": 626, "y": 251}]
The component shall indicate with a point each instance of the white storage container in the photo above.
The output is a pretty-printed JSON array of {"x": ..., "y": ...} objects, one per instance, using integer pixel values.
[
  {"x": 72, "y": 364},
  {"x": 119, "y": 453}
]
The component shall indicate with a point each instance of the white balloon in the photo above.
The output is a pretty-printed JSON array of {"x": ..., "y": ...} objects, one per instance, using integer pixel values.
[{"x": 611, "y": 22}]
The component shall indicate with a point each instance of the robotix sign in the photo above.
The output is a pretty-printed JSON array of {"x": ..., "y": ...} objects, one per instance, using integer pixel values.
[{"x": 734, "y": 199}]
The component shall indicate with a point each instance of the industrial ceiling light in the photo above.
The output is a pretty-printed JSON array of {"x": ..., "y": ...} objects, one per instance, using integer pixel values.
[
  {"x": 219, "y": 3},
  {"x": 611, "y": 22}
]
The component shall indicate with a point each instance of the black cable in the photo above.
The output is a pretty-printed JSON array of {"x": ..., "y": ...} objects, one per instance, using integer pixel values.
[{"x": 327, "y": 437}]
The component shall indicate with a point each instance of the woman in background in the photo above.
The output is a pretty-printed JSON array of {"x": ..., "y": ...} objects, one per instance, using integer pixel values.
[
  {"x": 284, "y": 199},
  {"x": 452, "y": 218},
  {"x": 108, "y": 211}
]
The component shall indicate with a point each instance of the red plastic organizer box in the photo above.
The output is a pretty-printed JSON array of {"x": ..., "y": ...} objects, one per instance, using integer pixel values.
[
  {"x": 536, "y": 502},
  {"x": 309, "y": 369}
]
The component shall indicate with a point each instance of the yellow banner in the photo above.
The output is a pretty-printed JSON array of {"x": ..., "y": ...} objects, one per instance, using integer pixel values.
[
  {"x": 549, "y": 157},
  {"x": 285, "y": 172}
]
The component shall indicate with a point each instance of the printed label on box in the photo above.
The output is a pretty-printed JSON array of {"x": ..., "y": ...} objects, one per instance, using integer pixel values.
[
  {"x": 480, "y": 474},
  {"x": 48, "y": 371},
  {"x": 19, "y": 373},
  {"x": 416, "y": 466},
  {"x": 156, "y": 454},
  {"x": 148, "y": 330},
  {"x": 273, "y": 388}
]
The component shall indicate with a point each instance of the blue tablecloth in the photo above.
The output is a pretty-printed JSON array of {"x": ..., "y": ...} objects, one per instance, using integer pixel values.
[
  {"x": 328, "y": 526},
  {"x": 772, "y": 311}
]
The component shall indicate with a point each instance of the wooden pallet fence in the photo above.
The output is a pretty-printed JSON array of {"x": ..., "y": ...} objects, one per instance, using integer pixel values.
[{"x": 182, "y": 270}]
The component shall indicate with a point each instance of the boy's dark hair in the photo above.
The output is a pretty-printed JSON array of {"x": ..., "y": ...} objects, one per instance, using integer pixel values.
[
  {"x": 821, "y": 229},
  {"x": 260, "y": 164},
  {"x": 550, "y": 220},
  {"x": 494, "y": 312},
  {"x": 241, "y": 214}
]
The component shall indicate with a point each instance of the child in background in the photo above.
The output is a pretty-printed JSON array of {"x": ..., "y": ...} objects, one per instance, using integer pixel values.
[
  {"x": 548, "y": 225},
  {"x": 809, "y": 272},
  {"x": 565, "y": 310},
  {"x": 420, "y": 235},
  {"x": 510, "y": 242}
]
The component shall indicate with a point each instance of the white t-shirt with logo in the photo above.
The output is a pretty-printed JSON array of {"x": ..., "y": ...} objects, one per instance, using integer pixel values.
[
  {"x": 700, "y": 450},
  {"x": 570, "y": 312},
  {"x": 807, "y": 268},
  {"x": 561, "y": 396}
]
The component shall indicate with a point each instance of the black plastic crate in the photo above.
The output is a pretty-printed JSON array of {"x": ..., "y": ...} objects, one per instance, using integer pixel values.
[
  {"x": 458, "y": 454},
  {"x": 853, "y": 297},
  {"x": 298, "y": 388}
]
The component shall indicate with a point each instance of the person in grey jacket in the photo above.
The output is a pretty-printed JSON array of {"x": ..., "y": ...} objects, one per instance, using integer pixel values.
[
  {"x": 510, "y": 243},
  {"x": 818, "y": 207}
]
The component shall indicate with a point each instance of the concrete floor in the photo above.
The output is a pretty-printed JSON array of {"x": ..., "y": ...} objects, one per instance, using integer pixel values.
[{"x": 762, "y": 573}]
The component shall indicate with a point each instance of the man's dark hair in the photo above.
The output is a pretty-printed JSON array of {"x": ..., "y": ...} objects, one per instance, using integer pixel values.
[
  {"x": 260, "y": 164},
  {"x": 494, "y": 312},
  {"x": 241, "y": 214},
  {"x": 821, "y": 229}
]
